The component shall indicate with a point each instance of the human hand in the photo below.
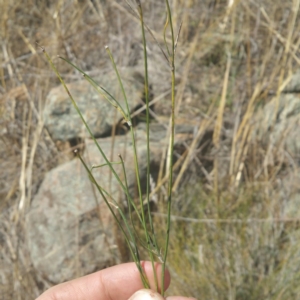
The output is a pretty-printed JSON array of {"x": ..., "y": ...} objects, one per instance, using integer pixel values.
[{"x": 115, "y": 283}]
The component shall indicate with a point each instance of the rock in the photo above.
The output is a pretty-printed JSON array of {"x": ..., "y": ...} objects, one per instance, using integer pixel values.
[
  {"x": 289, "y": 193},
  {"x": 279, "y": 122},
  {"x": 64, "y": 123},
  {"x": 64, "y": 235},
  {"x": 294, "y": 85}
]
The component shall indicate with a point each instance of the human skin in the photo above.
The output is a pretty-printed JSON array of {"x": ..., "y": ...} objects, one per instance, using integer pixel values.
[{"x": 115, "y": 283}]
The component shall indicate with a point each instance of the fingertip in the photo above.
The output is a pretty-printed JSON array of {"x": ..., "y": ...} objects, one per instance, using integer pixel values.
[{"x": 148, "y": 268}]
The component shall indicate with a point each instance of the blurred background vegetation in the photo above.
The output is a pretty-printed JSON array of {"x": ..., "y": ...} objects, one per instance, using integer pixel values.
[{"x": 235, "y": 231}]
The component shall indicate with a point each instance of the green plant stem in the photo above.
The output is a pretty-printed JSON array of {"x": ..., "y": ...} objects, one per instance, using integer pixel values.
[
  {"x": 136, "y": 164},
  {"x": 102, "y": 91},
  {"x": 148, "y": 142},
  {"x": 128, "y": 227},
  {"x": 99, "y": 89},
  {"x": 134, "y": 252},
  {"x": 170, "y": 184},
  {"x": 141, "y": 218},
  {"x": 85, "y": 123}
]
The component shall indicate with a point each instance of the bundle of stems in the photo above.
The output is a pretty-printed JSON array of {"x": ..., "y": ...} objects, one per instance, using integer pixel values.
[{"x": 144, "y": 219}]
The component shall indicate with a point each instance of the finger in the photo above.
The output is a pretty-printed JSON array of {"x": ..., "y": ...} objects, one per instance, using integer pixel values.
[
  {"x": 115, "y": 283},
  {"x": 147, "y": 266}
]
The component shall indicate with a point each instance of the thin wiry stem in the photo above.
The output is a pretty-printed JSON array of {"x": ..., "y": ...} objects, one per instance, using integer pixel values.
[
  {"x": 134, "y": 252},
  {"x": 128, "y": 227},
  {"x": 87, "y": 126},
  {"x": 165, "y": 38},
  {"x": 169, "y": 200},
  {"x": 129, "y": 200},
  {"x": 127, "y": 118},
  {"x": 101, "y": 90},
  {"x": 148, "y": 144},
  {"x": 136, "y": 164},
  {"x": 177, "y": 38},
  {"x": 132, "y": 246},
  {"x": 84, "y": 121},
  {"x": 149, "y": 30}
]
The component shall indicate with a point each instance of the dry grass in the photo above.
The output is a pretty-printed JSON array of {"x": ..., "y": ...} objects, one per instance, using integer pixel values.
[{"x": 229, "y": 183}]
